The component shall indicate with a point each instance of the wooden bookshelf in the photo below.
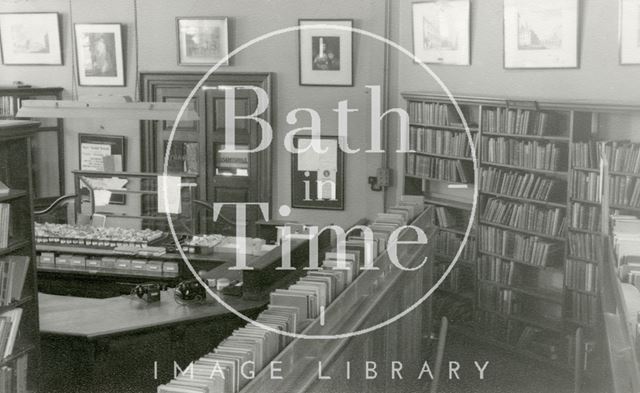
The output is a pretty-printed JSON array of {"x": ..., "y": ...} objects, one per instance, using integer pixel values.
[
  {"x": 47, "y": 144},
  {"x": 15, "y": 172}
]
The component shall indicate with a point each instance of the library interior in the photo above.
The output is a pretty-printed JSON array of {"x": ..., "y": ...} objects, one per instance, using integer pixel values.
[{"x": 319, "y": 196}]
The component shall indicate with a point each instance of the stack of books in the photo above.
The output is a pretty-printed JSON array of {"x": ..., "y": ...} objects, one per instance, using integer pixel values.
[
  {"x": 625, "y": 190},
  {"x": 586, "y": 154},
  {"x": 624, "y": 156},
  {"x": 5, "y": 209}
]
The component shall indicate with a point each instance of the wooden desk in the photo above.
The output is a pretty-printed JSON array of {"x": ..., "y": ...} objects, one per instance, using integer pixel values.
[{"x": 113, "y": 344}]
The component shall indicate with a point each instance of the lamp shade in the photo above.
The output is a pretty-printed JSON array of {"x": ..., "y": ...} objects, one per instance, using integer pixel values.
[{"x": 104, "y": 110}]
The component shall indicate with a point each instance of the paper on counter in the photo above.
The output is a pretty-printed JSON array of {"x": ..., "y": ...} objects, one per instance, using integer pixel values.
[{"x": 169, "y": 200}]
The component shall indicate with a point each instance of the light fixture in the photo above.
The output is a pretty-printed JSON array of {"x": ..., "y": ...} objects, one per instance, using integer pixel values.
[{"x": 104, "y": 110}]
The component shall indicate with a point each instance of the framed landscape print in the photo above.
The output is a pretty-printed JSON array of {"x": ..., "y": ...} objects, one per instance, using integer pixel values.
[
  {"x": 317, "y": 179},
  {"x": 202, "y": 40},
  {"x": 325, "y": 54},
  {"x": 441, "y": 33},
  {"x": 30, "y": 39},
  {"x": 99, "y": 54},
  {"x": 541, "y": 34},
  {"x": 629, "y": 31}
]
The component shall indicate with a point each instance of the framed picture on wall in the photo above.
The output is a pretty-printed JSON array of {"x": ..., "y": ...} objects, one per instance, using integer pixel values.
[
  {"x": 103, "y": 153},
  {"x": 202, "y": 41},
  {"x": 629, "y": 31},
  {"x": 441, "y": 33},
  {"x": 30, "y": 39},
  {"x": 317, "y": 173},
  {"x": 541, "y": 34},
  {"x": 99, "y": 54},
  {"x": 325, "y": 53}
]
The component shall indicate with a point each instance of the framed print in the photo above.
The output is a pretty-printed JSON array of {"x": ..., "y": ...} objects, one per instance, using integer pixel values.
[
  {"x": 99, "y": 54},
  {"x": 317, "y": 179},
  {"x": 541, "y": 34},
  {"x": 441, "y": 32},
  {"x": 629, "y": 31},
  {"x": 325, "y": 54},
  {"x": 202, "y": 40},
  {"x": 30, "y": 39},
  {"x": 103, "y": 153}
]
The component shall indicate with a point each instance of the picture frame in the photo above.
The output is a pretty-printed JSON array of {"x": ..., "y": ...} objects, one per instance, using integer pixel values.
[
  {"x": 202, "y": 40},
  {"x": 325, "y": 55},
  {"x": 433, "y": 44},
  {"x": 99, "y": 54},
  {"x": 30, "y": 38},
  {"x": 317, "y": 179},
  {"x": 629, "y": 32},
  {"x": 541, "y": 34},
  {"x": 93, "y": 148}
]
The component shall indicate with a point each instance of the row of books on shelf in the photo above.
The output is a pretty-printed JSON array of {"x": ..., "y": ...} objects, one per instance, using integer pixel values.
[
  {"x": 496, "y": 269},
  {"x": 586, "y": 246},
  {"x": 8, "y": 106},
  {"x": 625, "y": 233},
  {"x": 458, "y": 280},
  {"x": 585, "y": 216},
  {"x": 13, "y": 272},
  {"x": 448, "y": 243},
  {"x": 622, "y": 156},
  {"x": 494, "y": 298},
  {"x": 515, "y": 121},
  {"x": 526, "y": 249},
  {"x": 526, "y": 154},
  {"x": 526, "y": 216},
  {"x": 583, "y": 308},
  {"x": 9, "y": 325},
  {"x": 624, "y": 190},
  {"x": 438, "y": 168},
  {"x": 586, "y": 186},
  {"x": 433, "y": 141},
  {"x": 13, "y": 378},
  {"x": 432, "y": 113},
  {"x": 5, "y": 212},
  {"x": 581, "y": 275},
  {"x": 450, "y": 218},
  {"x": 520, "y": 184}
]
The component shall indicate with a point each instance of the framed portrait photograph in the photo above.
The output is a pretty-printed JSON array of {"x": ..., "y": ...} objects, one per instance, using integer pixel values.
[
  {"x": 629, "y": 31},
  {"x": 441, "y": 33},
  {"x": 202, "y": 40},
  {"x": 326, "y": 54},
  {"x": 30, "y": 39},
  {"x": 541, "y": 34},
  {"x": 317, "y": 174},
  {"x": 99, "y": 54}
]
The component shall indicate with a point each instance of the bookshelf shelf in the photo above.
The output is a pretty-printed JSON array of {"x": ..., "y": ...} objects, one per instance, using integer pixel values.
[
  {"x": 590, "y": 293},
  {"x": 13, "y": 194},
  {"x": 449, "y": 258},
  {"x": 513, "y": 260},
  {"x": 582, "y": 259},
  {"x": 585, "y": 169},
  {"x": 572, "y": 229},
  {"x": 528, "y": 200},
  {"x": 16, "y": 303},
  {"x": 14, "y": 246},
  {"x": 444, "y": 127},
  {"x": 631, "y": 174},
  {"x": 524, "y": 231},
  {"x": 17, "y": 355},
  {"x": 626, "y": 208},
  {"x": 433, "y": 200},
  {"x": 573, "y": 199},
  {"x": 457, "y": 230},
  {"x": 469, "y": 185},
  {"x": 559, "y": 174},
  {"x": 422, "y": 153},
  {"x": 547, "y": 295},
  {"x": 549, "y": 138}
]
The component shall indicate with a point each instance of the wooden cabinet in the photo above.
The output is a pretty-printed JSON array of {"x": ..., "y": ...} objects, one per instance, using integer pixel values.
[{"x": 196, "y": 145}]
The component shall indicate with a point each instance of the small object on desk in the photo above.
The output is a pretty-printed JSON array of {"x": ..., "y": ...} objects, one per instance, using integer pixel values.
[
  {"x": 150, "y": 293},
  {"x": 190, "y": 291}
]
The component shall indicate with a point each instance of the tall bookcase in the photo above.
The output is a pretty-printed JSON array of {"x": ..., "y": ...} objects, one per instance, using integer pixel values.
[
  {"x": 15, "y": 172},
  {"x": 534, "y": 251},
  {"x": 47, "y": 144}
]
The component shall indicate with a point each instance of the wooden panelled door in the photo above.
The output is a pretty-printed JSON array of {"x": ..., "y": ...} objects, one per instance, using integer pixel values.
[{"x": 223, "y": 176}]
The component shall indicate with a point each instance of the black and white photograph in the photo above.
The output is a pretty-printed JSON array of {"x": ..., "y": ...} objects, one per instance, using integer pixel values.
[
  {"x": 30, "y": 38},
  {"x": 202, "y": 40},
  {"x": 541, "y": 34},
  {"x": 382, "y": 196},
  {"x": 441, "y": 32},
  {"x": 99, "y": 54},
  {"x": 326, "y": 53}
]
